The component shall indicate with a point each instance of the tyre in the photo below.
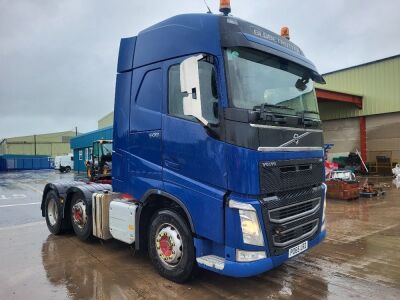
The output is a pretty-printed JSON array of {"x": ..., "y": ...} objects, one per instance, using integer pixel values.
[
  {"x": 53, "y": 213},
  {"x": 67, "y": 169},
  {"x": 171, "y": 246},
  {"x": 81, "y": 219}
]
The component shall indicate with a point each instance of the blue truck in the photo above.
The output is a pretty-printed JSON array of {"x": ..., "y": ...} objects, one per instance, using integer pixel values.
[{"x": 218, "y": 157}]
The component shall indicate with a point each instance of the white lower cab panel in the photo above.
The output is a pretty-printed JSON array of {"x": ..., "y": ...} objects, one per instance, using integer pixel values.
[{"x": 122, "y": 220}]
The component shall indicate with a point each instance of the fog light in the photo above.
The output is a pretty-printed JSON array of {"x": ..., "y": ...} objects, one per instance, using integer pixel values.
[{"x": 246, "y": 256}]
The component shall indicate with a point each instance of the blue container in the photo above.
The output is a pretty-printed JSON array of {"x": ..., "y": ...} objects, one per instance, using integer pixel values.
[{"x": 12, "y": 162}]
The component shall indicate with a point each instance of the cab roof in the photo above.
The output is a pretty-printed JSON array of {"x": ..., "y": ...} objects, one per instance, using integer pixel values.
[{"x": 188, "y": 34}]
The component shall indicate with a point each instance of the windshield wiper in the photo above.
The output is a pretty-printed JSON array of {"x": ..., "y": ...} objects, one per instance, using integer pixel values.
[
  {"x": 266, "y": 105},
  {"x": 309, "y": 122},
  {"x": 311, "y": 112},
  {"x": 269, "y": 114}
]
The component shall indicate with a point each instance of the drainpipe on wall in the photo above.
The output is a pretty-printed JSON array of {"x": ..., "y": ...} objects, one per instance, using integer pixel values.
[{"x": 363, "y": 138}]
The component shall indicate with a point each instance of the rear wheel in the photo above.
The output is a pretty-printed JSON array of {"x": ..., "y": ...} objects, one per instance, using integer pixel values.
[
  {"x": 80, "y": 217},
  {"x": 171, "y": 246},
  {"x": 53, "y": 213}
]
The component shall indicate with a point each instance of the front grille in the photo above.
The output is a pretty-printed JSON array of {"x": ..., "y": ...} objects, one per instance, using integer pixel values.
[
  {"x": 279, "y": 176},
  {"x": 293, "y": 211},
  {"x": 293, "y": 235},
  {"x": 292, "y": 201}
]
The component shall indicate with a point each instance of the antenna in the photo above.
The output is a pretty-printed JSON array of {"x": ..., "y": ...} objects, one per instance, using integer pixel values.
[{"x": 209, "y": 10}]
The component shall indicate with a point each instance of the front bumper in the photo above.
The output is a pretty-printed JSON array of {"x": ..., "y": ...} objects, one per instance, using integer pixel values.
[{"x": 241, "y": 269}]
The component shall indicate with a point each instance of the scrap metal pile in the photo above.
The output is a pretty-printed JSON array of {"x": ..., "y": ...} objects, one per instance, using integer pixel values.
[
  {"x": 396, "y": 173},
  {"x": 342, "y": 184}
]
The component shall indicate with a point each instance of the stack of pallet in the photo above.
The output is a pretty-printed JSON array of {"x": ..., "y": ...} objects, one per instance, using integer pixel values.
[{"x": 342, "y": 190}]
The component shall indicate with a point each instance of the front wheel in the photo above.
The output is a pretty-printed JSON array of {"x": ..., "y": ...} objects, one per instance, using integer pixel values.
[
  {"x": 81, "y": 217},
  {"x": 171, "y": 246}
]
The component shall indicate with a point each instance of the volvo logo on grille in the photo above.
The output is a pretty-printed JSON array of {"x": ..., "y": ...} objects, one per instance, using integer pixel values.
[
  {"x": 269, "y": 164},
  {"x": 296, "y": 139}
]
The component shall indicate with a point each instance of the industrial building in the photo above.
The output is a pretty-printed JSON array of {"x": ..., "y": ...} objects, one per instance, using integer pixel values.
[
  {"x": 50, "y": 144},
  {"x": 360, "y": 109},
  {"x": 106, "y": 121},
  {"x": 82, "y": 146}
]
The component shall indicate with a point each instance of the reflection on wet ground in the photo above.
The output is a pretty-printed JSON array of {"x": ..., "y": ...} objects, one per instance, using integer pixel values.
[{"x": 359, "y": 258}]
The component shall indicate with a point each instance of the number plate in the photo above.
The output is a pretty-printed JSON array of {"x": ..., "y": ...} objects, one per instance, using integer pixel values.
[{"x": 298, "y": 249}]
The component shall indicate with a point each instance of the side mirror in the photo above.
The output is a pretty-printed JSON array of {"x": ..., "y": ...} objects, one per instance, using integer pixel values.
[{"x": 190, "y": 88}]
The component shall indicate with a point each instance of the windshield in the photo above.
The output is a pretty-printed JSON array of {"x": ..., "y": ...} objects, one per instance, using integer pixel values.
[
  {"x": 107, "y": 149},
  {"x": 256, "y": 78}
]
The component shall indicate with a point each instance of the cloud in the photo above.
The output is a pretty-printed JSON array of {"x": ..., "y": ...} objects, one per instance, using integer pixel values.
[{"x": 58, "y": 58}]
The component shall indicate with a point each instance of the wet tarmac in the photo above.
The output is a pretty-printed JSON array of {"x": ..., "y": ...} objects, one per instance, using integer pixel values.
[{"x": 359, "y": 259}]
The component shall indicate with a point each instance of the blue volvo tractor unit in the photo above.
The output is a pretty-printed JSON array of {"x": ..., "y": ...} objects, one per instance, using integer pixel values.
[{"x": 217, "y": 151}]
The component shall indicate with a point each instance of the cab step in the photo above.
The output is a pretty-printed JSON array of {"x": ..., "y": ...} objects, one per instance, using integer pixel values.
[{"x": 212, "y": 261}]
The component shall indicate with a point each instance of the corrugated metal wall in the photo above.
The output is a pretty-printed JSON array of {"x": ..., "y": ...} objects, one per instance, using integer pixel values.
[
  {"x": 344, "y": 134},
  {"x": 51, "y": 144},
  {"x": 378, "y": 83},
  {"x": 106, "y": 121},
  {"x": 383, "y": 136}
]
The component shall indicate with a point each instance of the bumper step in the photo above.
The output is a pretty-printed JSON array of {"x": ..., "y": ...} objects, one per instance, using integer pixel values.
[{"x": 212, "y": 261}]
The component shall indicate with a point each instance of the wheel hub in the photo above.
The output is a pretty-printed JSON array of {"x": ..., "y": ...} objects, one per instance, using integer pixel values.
[
  {"x": 169, "y": 245},
  {"x": 79, "y": 214}
]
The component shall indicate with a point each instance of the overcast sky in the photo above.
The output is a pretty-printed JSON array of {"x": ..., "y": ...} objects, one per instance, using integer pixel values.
[{"x": 58, "y": 57}]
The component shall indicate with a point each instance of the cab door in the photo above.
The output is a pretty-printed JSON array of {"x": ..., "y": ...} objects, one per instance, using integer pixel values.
[{"x": 193, "y": 160}]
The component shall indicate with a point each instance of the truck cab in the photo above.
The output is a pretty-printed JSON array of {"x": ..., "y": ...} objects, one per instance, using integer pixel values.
[
  {"x": 217, "y": 145},
  {"x": 219, "y": 117}
]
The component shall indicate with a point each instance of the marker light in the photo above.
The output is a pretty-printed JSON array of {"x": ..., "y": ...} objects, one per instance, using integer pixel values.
[
  {"x": 225, "y": 6},
  {"x": 285, "y": 32}
]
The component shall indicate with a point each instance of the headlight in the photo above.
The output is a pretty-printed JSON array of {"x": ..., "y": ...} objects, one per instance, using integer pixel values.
[
  {"x": 323, "y": 211},
  {"x": 251, "y": 231}
]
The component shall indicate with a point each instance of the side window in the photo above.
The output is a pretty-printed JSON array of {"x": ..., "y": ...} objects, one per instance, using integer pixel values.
[
  {"x": 208, "y": 91},
  {"x": 80, "y": 154},
  {"x": 86, "y": 153},
  {"x": 150, "y": 92},
  {"x": 146, "y": 109},
  {"x": 175, "y": 97}
]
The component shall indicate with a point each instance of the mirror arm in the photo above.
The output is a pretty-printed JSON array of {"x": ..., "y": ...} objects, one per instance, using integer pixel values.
[{"x": 212, "y": 130}]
